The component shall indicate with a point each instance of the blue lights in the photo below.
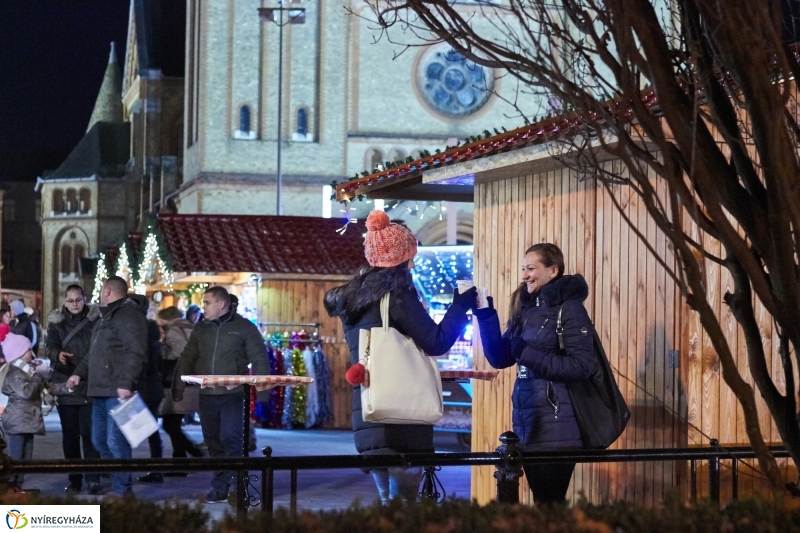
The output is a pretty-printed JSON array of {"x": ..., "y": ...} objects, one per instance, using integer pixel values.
[{"x": 438, "y": 269}]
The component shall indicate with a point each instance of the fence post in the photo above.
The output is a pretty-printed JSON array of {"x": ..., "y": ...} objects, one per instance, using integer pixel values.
[
  {"x": 510, "y": 470},
  {"x": 267, "y": 487},
  {"x": 713, "y": 473}
]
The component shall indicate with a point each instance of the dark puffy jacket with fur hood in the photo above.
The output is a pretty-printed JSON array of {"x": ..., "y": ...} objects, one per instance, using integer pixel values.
[
  {"x": 60, "y": 322},
  {"x": 358, "y": 305},
  {"x": 543, "y": 416}
]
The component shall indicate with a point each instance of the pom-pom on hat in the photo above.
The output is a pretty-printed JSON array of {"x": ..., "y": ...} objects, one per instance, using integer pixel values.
[
  {"x": 15, "y": 346},
  {"x": 387, "y": 244}
]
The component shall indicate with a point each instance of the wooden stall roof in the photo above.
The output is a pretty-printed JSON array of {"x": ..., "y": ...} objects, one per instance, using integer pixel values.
[
  {"x": 266, "y": 244},
  {"x": 404, "y": 182}
]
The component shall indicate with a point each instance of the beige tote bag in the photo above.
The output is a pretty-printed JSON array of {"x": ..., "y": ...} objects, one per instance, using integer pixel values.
[{"x": 404, "y": 385}]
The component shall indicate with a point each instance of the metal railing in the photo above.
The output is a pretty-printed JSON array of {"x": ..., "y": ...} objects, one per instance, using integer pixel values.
[{"x": 508, "y": 460}]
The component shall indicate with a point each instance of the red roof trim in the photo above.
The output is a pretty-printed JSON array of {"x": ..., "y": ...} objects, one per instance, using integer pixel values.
[{"x": 543, "y": 131}]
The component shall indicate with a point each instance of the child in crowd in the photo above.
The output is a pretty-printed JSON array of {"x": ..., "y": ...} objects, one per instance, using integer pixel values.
[{"x": 22, "y": 417}]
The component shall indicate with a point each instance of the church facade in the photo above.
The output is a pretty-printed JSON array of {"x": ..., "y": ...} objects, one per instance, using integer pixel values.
[{"x": 347, "y": 104}]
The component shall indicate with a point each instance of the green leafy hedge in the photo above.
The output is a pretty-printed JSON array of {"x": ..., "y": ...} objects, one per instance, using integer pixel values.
[
  {"x": 458, "y": 516},
  {"x": 756, "y": 516}
]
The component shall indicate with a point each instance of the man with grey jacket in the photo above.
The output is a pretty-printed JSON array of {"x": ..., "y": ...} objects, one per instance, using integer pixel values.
[
  {"x": 223, "y": 343},
  {"x": 114, "y": 369}
]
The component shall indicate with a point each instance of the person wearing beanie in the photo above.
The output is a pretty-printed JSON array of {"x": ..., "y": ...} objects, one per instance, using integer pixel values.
[
  {"x": 22, "y": 417},
  {"x": 194, "y": 313},
  {"x": 23, "y": 324},
  {"x": 390, "y": 249}
]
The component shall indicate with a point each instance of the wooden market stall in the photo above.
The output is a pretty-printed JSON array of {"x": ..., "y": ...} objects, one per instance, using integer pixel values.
[
  {"x": 279, "y": 267},
  {"x": 667, "y": 368}
]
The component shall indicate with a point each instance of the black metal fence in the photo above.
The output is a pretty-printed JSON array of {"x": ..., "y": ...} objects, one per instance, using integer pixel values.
[{"x": 507, "y": 459}]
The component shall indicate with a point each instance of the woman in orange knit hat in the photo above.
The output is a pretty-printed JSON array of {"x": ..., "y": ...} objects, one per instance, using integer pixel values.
[{"x": 390, "y": 250}]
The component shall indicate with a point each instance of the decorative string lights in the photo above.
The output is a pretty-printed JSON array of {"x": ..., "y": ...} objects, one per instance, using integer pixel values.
[
  {"x": 123, "y": 264},
  {"x": 100, "y": 276},
  {"x": 147, "y": 269},
  {"x": 438, "y": 268}
]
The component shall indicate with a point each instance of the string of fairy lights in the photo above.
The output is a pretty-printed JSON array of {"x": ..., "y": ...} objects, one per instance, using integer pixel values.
[
  {"x": 412, "y": 208},
  {"x": 151, "y": 264},
  {"x": 437, "y": 270}
]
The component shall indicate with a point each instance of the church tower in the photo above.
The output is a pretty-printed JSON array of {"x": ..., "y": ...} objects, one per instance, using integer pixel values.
[
  {"x": 108, "y": 106},
  {"x": 83, "y": 201}
]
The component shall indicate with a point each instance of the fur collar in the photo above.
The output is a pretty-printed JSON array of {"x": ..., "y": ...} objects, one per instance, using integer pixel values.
[
  {"x": 58, "y": 315},
  {"x": 570, "y": 287},
  {"x": 349, "y": 302}
]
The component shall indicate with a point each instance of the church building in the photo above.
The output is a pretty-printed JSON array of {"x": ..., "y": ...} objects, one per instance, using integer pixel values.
[{"x": 209, "y": 89}]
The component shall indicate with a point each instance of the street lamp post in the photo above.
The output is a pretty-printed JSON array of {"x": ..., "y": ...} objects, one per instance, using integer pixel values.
[{"x": 296, "y": 16}]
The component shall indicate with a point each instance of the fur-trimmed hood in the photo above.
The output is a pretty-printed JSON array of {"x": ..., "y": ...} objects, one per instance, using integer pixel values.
[
  {"x": 569, "y": 287},
  {"x": 349, "y": 302},
  {"x": 56, "y": 316}
]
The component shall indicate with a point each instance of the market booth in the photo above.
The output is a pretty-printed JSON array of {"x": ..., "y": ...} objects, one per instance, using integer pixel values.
[
  {"x": 665, "y": 364},
  {"x": 279, "y": 267}
]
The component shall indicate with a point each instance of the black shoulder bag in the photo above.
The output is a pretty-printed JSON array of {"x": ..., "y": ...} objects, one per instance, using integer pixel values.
[{"x": 598, "y": 404}]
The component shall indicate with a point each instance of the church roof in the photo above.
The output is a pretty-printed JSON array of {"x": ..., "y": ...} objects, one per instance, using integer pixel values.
[
  {"x": 160, "y": 27},
  {"x": 264, "y": 244},
  {"x": 104, "y": 151},
  {"x": 108, "y": 106}
]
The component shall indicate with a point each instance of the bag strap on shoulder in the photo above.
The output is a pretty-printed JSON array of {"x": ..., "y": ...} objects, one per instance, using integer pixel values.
[
  {"x": 385, "y": 311},
  {"x": 74, "y": 332},
  {"x": 560, "y": 328}
]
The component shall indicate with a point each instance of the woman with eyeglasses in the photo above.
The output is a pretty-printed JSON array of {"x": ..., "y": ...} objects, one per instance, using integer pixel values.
[{"x": 69, "y": 335}]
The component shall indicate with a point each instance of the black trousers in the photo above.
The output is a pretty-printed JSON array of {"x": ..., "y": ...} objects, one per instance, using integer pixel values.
[
  {"x": 154, "y": 440},
  {"x": 181, "y": 445},
  {"x": 221, "y": 419},
  {"x": 549, "y": 482},
  {"x": 76, "y": 429}
]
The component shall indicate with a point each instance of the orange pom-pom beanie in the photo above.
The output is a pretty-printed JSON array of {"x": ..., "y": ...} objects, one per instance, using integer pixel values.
[{"x": 387, "y": 244}]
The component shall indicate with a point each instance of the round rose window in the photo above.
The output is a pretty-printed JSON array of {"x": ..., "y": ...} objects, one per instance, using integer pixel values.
[{"x": 452, "y": 85}]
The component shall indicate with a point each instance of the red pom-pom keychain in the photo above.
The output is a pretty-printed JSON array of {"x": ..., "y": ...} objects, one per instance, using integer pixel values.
[{"x": 357, "y": 375}]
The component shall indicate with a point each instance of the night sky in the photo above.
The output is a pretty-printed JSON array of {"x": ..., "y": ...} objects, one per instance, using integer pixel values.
[{"x": 53, "y": 54}]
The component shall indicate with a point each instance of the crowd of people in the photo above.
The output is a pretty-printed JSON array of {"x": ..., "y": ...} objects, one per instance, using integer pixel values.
[{"x": 103, "y": 354}]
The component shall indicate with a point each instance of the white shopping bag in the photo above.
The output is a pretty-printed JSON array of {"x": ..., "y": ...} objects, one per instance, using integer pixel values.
[{"x": 134, "y": 420}]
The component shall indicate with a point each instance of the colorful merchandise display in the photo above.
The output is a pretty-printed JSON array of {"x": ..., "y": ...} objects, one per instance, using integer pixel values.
[{"x": 296, "y": 354}]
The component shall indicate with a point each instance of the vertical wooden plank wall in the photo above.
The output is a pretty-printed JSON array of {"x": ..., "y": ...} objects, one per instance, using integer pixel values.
[
  {"x": 668, "y": 369},
  {"x": 300, "y": 301},
  {"x": 630, "y": 301}
]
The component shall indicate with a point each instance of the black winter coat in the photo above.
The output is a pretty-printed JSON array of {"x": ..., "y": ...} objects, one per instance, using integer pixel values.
[
  {"x": 358, "y": 305},
  {"x": 26, "y": 327},
  {"x": 543, "y": 416},
  {"x": 222, "y": 347},
  {"x": 152, "y": 388},
  {"x": 60, "y": 322},
  {"x": 117, "y": 357}
]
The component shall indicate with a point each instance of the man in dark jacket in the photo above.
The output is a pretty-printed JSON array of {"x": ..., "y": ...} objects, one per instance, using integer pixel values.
[
  {"x": 69, "y": 334},
  {"x": 223, "y": 343},
  {"x": 114, "y": 369}
]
